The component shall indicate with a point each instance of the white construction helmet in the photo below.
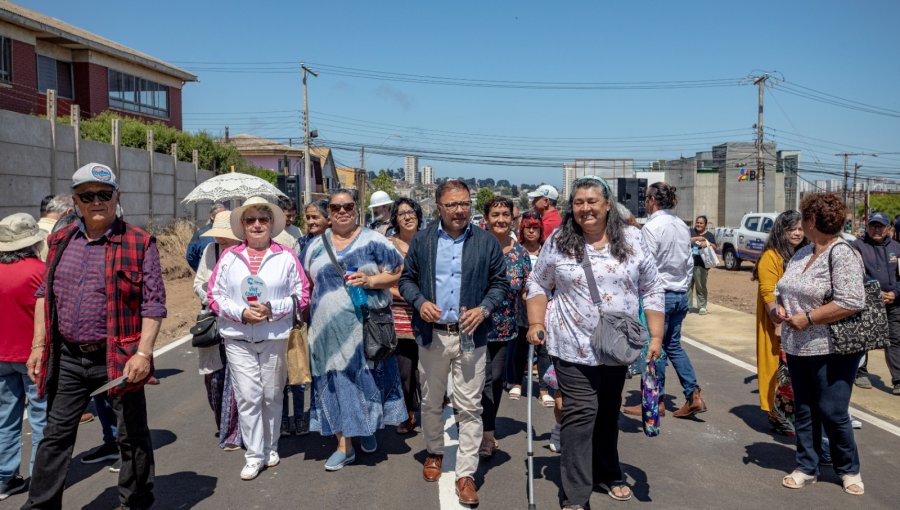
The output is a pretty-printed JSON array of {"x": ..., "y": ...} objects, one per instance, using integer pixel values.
[{"x": 380, "y": 198}]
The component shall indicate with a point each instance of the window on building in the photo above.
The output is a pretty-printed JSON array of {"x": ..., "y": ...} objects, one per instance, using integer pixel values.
[
  {"x": 56, "y": 75},
  {"x": 127, "y": 92},
  {"x": 5, "y": 59}
]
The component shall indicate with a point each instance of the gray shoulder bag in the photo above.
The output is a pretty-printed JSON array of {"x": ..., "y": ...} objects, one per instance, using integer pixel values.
[{"x": 619, "y": 337}]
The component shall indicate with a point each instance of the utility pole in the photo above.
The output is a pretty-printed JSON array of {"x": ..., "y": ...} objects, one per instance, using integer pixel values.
[
  {"x": 362, "y": 158},
  {"x": 760, "y": 163},
  {"x": 307, "y": 160},
  {"x": 855, "y": 170},
  {"x": 846, "y": 156},
  {"x": 846, "y": 175}
]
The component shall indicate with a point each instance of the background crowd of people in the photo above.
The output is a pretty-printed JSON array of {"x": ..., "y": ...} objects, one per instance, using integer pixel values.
[{"x": 465, "y": 301}]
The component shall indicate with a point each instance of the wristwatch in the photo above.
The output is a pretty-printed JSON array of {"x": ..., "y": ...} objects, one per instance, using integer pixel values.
[{"x": 484, "y": 312}]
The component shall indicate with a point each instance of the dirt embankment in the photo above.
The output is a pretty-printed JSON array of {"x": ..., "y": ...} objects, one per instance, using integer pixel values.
[{"x": 181, "y": 303}]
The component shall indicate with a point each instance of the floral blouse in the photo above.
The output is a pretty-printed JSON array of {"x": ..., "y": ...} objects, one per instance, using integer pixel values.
[
  {"x": 518, "y": 267},
  {"x": 802, "y": 290},
  {"x": 571, "y": 315}
]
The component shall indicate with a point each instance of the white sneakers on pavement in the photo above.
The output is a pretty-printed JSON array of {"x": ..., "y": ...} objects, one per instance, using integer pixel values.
[
  {"x": 251, "y": 470},
  {"x": 273, "y": 459}
]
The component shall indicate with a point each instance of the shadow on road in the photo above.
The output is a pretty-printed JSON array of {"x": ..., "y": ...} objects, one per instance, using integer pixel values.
[
  {"x": 162, "y": 373},
  {"x": 756, "y": 419},
  {"x": 770, "y": 456},
  {"x": 79, "y": 471},
  {"x": 175, "y": 491}
]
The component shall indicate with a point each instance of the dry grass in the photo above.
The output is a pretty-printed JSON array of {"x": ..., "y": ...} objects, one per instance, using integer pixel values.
[{"x": 172, "y": 243}]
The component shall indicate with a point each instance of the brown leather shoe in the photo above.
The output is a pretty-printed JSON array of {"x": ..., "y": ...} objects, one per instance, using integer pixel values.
[
  {"x": 465, "y": 489},
  {"x": 637, "y": 410},
  {"x": 695, "y": 405},
  {"x": 432, "y": 470}
]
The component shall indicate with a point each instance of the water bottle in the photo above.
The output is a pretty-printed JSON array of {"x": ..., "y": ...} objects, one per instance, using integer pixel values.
[
  {"x": 357, "y": 294},
  {"x": 466, "y": 341}
]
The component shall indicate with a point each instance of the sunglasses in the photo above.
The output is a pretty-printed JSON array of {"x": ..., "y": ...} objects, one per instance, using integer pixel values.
[
  {"x": 346, "y": 207},
  {"x": 88, "y": 196},
  {"x": 262, "y": 220}
]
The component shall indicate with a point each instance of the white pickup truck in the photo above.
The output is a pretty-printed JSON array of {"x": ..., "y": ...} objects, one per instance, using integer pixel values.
[{"x": 737, "y": 244}]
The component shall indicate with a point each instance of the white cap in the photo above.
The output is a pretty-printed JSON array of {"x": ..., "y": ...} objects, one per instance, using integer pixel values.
[
  {"x": 94, "y": 172},
  {"x": 545, "y": 190},
  {"x": 380, "y": 198}
]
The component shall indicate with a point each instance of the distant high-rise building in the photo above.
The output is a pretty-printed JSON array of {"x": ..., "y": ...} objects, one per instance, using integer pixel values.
[
  {"x": 411, "y": 170},
  {"x": 606, "y": 168},
  {"x": 427, "y": 175}
]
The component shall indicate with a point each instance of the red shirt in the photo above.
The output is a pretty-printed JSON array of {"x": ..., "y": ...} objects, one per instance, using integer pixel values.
[
  {"x": 550, "y": 219},
  {"x": 18, "y": 283}
]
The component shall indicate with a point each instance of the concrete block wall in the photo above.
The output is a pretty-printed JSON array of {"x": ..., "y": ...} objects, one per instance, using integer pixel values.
[{"x": 27, "y": 157}]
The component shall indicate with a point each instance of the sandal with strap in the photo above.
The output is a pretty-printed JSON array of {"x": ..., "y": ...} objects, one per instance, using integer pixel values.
[
  {"x": 515, "y": 393},
  {"x": 623, "y": 488},
  {"x": 798, "y": 480},
  {"x": 850, "y": 481},
  {"x": 547, "y": 400}
]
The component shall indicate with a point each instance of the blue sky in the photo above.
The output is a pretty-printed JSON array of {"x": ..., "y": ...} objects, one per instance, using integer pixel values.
[{"x": 847, "y": 49}]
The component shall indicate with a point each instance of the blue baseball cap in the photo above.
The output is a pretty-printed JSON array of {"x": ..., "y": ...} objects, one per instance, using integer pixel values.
[{"x": 880, "y": 218}]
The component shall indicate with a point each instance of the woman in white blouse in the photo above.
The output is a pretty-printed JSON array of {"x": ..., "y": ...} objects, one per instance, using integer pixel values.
[{"x": 624, "y": 273}]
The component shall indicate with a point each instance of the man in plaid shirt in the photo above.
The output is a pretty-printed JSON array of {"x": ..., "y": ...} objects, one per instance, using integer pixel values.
[{"x": 101, "y": 305}]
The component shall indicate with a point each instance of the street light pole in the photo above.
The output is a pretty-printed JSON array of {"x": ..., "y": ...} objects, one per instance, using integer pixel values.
[{"x": 307, "y": 159}]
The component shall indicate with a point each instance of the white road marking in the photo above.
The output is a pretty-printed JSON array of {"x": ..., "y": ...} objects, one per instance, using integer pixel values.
[
  {"x": 447, "y": 483},
  {"x": 156, "y": 353},
  {"x": 861, "y": 415}
]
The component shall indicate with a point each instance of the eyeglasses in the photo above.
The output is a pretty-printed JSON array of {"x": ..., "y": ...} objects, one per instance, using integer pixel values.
[
  {"x": 452, "y": 206},
  {"x": 408, "y": 212},
  {"x": 346, "y": 207},
  {"x": 88, "y": 196},
  {"x": 262, "y": 220},
  {"x": 530, "y": 215}
]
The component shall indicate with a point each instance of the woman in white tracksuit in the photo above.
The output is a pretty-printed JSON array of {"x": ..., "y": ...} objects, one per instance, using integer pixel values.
[{"x": 251, "y": 291}]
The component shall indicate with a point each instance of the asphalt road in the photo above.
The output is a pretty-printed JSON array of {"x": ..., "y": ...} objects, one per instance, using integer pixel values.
[{"x": 724, "y": 459}]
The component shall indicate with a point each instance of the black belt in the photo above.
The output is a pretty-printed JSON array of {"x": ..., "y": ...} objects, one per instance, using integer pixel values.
[
  {"x": 449, "y": 328},
  {"x": 86, "y": 348}
]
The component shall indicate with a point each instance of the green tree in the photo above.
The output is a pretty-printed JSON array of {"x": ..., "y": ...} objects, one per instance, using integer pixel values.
[
  {"x": 482, "y": 197},
  {"x": 888, "y": 203}
]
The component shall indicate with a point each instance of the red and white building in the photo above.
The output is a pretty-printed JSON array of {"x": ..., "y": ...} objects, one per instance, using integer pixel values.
[{"x": 38, "y": 53}]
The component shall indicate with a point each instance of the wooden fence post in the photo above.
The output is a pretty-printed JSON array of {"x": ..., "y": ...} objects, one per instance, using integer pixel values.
[
  {"x": 76, "y": 133},
  {"x": 51, "y": 116}
]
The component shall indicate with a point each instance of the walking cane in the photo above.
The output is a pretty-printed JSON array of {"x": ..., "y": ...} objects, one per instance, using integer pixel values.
[{"x": 531, "y": 505}]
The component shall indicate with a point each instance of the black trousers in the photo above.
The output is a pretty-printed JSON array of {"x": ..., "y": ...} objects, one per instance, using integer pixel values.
[
  {"x": 494, "y": 369},
  {"x": 79, "y": 375},
  {"x": 519, "y": 346},
  {"x": 407, "y": 354},
  {"x": 592, "y": 397}
]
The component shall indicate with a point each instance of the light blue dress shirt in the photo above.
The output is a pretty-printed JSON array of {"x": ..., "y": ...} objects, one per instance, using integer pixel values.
[{"x": 448, "y": 274}]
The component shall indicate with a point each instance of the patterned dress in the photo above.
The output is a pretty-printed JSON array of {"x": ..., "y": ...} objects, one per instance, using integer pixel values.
[
  {"x": 352, "y": 396},
  {"x": 504, "y": 318}
]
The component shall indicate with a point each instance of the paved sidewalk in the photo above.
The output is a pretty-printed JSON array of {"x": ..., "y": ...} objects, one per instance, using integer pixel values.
[{"x": 735, "y": 332}]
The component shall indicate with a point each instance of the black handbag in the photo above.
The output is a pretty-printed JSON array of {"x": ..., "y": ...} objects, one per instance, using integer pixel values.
[
  {"x": 865, "y": 330},
  {"x": 379, "y": 336},
  {"x": 618, "y": 338},
  {"x": 206, "y": 331}
]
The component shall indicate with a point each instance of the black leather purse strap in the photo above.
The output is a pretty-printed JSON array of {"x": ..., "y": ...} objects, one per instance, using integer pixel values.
[
  {"x": 330, "y": 250},
  {"x": 591, "y": 281}
]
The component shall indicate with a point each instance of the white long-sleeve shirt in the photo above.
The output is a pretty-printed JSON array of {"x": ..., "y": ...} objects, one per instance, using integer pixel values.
[{"x": 669, "y": 241}]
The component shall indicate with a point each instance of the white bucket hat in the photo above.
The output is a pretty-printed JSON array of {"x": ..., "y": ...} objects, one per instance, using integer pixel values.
[
  {"x": 278, "y": 219},
  {"x": 221, "y": 227},
  {"x": 19, "y": 231}
]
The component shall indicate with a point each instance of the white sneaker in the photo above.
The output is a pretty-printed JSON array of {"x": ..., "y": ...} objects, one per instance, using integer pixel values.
[
  {"x": 855, "y": 423},
  {"x": 554, "y": 439},
  {"x": 251, "y": 470},
  {"x": 273, "y": 460}
]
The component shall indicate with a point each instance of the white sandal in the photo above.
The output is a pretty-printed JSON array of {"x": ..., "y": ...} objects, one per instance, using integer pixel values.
[
  {"x": 515, "y": 393},
  {"x": 547, "y": 400},
  {"x": 849, "y": 481},
  {"x": 798, "y": 480}
]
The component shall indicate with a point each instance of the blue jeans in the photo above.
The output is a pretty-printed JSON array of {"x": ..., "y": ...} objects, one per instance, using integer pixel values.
[
  {"x": 676, "y": 311},
  {"x": 107, "y": 419},
  {"x": 14, "y": 387},
  {"x": 822, "y": 387},
  {"x": 297, "y": 391}
]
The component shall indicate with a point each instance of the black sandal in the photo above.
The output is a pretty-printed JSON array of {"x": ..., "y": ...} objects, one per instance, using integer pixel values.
[{"x": 617, "y": 484}]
